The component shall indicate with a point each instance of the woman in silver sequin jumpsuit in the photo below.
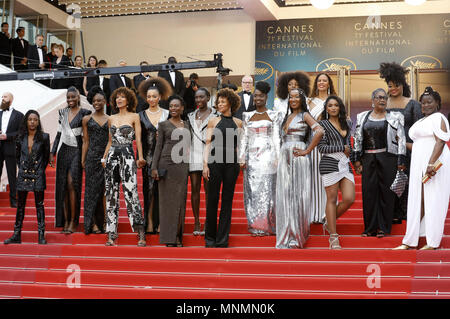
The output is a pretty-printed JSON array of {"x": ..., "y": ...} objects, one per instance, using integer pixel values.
[
  {"x": 258, "y": 156},
  {"x": 293, "y": 196}
]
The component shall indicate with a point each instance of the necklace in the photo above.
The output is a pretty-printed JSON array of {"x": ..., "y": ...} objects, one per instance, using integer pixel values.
[
  {"x": 155, "y": 112},
  {"x": 201, "y": 115},
  {"x": 260, "y": 113}
]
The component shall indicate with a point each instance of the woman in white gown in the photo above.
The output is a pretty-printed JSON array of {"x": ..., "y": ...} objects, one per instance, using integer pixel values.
[
  {"x": 323, "y": 87},
  {"x": 428, "y": 202}
]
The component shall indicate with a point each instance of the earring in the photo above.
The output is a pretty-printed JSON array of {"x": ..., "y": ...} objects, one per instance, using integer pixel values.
[
  {"x": 328, "y": 91},
  {"x": 327, "y": 116}
]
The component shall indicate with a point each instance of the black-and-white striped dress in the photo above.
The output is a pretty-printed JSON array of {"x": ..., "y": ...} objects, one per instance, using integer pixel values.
[{"x": 334, "y": 164}]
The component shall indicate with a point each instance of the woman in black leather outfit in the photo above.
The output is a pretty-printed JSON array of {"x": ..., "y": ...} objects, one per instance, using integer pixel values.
[{"x": 32, "y": 153}]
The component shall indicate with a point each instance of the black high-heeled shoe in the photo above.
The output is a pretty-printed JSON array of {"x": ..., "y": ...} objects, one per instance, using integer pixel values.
[{"x": 380, "y": 234}]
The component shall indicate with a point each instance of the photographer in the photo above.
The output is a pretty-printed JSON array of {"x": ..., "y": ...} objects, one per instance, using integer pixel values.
[{"x": 189, "y": 94}]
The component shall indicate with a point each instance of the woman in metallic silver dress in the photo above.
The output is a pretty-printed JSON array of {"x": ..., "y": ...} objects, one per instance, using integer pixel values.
[
  {"x": 293, "y": 195},
  {"x": 258, "y": 156}
]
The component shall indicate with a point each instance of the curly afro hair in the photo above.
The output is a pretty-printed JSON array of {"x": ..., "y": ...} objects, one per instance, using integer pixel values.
[
  {"x": 394, "y": 72},
  {"x": 231, "y": 96},
  {"x": 155, "y": 83},
  {"x": 129, "y": 95},
  {"x": 93, "y": 92},
  {"x": 302, "y": 79}
]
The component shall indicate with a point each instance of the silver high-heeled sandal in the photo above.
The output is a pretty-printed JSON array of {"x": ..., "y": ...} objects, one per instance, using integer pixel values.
[{"x": 334, "y": 241}]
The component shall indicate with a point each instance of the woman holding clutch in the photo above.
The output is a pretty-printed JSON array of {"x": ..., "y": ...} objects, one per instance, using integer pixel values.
[
  {"x": 429, "y": 189},
  {"x": 170, "y": 167}
]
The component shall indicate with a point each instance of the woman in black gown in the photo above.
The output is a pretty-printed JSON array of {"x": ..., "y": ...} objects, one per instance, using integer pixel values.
[
  {"x": 95, "y": 139},
  {"x": 91, "y": 81},
  {"x": 68, "y": 145},
  {"x": 152, "y": 90},
  {"x": 399, "y": 100}
]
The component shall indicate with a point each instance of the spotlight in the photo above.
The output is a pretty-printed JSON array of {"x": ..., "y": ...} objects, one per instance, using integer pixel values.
[
  {"x": 322, "y": 4},
  {"x": 415, "y": 2}
]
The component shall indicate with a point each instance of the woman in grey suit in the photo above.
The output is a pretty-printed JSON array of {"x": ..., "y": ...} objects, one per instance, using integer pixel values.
[{"x": 170, "y": 167}]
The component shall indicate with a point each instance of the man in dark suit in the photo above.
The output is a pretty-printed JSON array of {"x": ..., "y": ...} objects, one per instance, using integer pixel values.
[
  {"x": 37, "y": 59},
  {"x": 104, "y": 84},
  {"x": 141, "y": 77},
  {"x": 69, "y": 54},
  {"x": 246, "y": 97},
  {"x": 118, "y": 80},
  {"x": 10, "y": 121},
  {"x": 137, "y": 80},
  {"x": 5, "y": 45},
  {"x": 175, "y": 78},
  {"x": 20, "y": 50}
]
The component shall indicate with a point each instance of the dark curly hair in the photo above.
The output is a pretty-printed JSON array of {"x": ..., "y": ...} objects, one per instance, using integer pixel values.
[
  {"x": 155, "y": 83},
  {"x": 231, "y": 96},
  {"x": 93, "y": 92},
  {"x": 23, "y": 130},
  {"x": 436, "y": 96},
  {"x": 129, "y": 95},
  {"x": 315, "y": 91},
  {"x": 302, "y": 79},
  {"x": 342, "y": 116},
  {"x": 394, "y": 72}
]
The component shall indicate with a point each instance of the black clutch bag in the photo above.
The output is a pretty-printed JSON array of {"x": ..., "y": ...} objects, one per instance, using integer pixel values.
[{"x": 162, "y": 172}]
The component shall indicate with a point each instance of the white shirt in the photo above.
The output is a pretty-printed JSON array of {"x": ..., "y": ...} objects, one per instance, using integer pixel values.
[
  {"x": 246, "y": 100},
  {"x": 122, "y": 77},
  {"x": 5, "y": 119},
  {"x": 41, "y": 56},
  {"x": 101, "y": 78},
  {"x": 172, "y": 76}
]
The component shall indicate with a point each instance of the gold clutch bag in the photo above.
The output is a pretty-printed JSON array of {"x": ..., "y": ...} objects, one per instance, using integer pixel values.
[{"x": 437, "y": 165}]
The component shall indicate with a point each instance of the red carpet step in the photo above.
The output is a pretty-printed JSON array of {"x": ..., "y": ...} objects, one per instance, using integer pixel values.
[{"x": 251, "y": 268}]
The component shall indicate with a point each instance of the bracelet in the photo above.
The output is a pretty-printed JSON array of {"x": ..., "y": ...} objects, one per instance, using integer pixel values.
[
  {"x": 430, "y": 165},
  {"x": 103, "y": 160}
]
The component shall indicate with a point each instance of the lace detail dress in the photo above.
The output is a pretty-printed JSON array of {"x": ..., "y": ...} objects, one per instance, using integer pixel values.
[{"x": 95, "y": 175}]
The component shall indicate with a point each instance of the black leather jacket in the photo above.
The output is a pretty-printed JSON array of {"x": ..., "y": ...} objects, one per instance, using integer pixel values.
[{"x": 31, "y": 176}]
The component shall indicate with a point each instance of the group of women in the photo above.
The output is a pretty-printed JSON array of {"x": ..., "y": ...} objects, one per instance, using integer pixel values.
[{"x": 295, "y": 158}]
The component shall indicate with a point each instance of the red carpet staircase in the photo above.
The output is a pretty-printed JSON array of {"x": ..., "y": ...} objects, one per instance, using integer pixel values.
[{"x": 80, "y": 266}]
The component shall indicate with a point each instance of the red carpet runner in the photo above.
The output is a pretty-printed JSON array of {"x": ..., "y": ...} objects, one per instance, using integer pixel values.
[{"x": 80, "y": 266}]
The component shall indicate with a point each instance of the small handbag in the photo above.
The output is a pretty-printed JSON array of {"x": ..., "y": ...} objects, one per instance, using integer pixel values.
[
  {"x": 162, "y": 172},
  {"x": 437, "y": 165},
  {"x": 400, "y": 182}
]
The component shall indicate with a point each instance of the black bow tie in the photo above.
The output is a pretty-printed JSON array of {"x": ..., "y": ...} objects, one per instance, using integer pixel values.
[
  {"x": 245, "y": 92},
  {"x": 6, "y": 109}
]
